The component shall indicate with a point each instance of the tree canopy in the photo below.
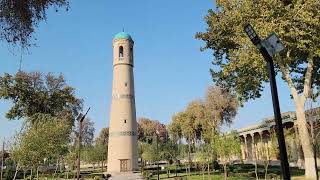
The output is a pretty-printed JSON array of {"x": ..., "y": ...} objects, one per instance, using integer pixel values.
[
  {"x": 147, "y": 129},
  {"x": 238, "y": 63},
  {"x": 103, "y": 137},
  {"x": 33, "y": 93},
  {"x": 19, "y": 19},
  {"x": 45, "y": 139}
]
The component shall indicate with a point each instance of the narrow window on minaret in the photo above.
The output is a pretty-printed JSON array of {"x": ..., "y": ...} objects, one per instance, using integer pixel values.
[
  {"x": 125, "y": 121},
  {"x": 131, "y": 54},
  {"x": 120, "y": 52}
]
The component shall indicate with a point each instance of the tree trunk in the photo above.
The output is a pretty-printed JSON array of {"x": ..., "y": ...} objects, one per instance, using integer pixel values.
[
  {"x": 55, "y": 172},
  {"x": 37, "y": 173},
  {"x": 102, "y": 166},
  {"x": 266, "y": 170},
  {"x": 15, "y": 174},
  {"x": 176, "y": 170},
  {"x": 203, "y": 171},
  {"x": 310, "y": 170},
  {"x": 225, "y": 171},
  {"x": 189, "y": 157},
  {"x": 256, "y": 168}
]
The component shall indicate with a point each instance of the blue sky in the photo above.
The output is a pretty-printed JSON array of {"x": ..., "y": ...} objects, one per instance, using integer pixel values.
[{"x": 170, "y": 70}]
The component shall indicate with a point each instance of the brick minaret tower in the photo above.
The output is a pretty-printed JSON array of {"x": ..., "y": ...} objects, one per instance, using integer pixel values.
[{"x": 122, "y": 147}]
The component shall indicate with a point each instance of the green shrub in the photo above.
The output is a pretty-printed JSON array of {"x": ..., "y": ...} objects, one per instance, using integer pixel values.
[
  {"x": 97, "y": 178},
  {"x": 271, "y": 175}
]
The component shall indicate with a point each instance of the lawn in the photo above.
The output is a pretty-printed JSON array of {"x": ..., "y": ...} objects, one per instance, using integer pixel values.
[
  {"x": 239, "y": 172},
  {"x": 196, "y": 176}
]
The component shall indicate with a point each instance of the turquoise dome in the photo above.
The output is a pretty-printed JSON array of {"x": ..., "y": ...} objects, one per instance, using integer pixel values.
[{"x": 122, "y": 35}]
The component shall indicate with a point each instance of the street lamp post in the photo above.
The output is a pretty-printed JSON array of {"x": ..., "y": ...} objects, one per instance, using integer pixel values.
[
  {"x": 80, "y": 118},
  {"x": 268, "y": 48}
]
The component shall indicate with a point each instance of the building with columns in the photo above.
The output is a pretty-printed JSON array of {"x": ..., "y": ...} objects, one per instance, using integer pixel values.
[
  {"x": 258, "y": 135},
  {"x": 122, "y": 146}
]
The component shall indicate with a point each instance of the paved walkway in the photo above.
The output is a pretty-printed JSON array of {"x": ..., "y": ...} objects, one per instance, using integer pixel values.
[{"x": 126, "y": 176}]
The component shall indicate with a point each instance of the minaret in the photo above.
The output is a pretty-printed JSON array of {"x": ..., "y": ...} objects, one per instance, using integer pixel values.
[{"x": 122, "y": 147}]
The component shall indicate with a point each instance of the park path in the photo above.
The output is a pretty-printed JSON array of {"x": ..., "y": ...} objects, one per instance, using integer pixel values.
[{"x": 126, "y": 176}]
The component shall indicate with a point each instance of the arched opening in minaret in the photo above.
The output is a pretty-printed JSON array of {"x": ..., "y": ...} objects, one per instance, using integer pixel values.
[{"x": 120, "y": 52}]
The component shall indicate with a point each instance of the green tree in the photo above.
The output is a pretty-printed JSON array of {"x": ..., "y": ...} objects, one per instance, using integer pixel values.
[
  {"x": 240, "y": 67},
  {"x": 267, "y": 151},
  {"x": 44, "y": 140},
  {"x": 19, "y": 19},
  {"x": 188, "y": 125},
  {"x": 226, "y": 146},
  {"x": 33, "y": 93},
  {"x": 101, "y": 144},
  {"x": 149, "y": 152},
  {"x": 202, "y": 159},
  {"x": 91, "y": 154}
]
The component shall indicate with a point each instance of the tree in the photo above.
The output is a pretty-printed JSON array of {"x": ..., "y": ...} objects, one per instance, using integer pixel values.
[
  {"x": 221, "y": 105},
  {"x": 147, "y": 129},
  {"x": 267, "y": 151},
  {"x": 43, "y": 140},
  {"x": 149, "y": 152},
  {"x": 91, "y": 154},
  {"x": 240, "y": 67},
  {"x": 169, "y": 151},
  {"x": 188, "y": 125},
  {"x": 101, "y": 144},
  {"x": 18, "y": 19},
  {"x": 226, "y": 146},
  {"x": 87, "y": 133},
  {"x": 202, "y": 159},
  {"x": 103, "y": 137},
  {"x": 33, "y": 93}
]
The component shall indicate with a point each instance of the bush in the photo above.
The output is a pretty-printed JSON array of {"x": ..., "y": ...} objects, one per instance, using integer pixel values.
[
  {"x": 97, "y": 178},
  {"x": 251, "y": 174},
  {"x": 271, "y": 175},
  {"x": 70, "y": 175}
]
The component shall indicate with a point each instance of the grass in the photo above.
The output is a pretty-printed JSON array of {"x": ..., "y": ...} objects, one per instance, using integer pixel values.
[
  {"x": 296, "y": 174},
  {"x": 196, "y": 176}
]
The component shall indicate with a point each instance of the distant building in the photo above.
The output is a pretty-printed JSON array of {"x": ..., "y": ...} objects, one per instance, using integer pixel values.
[{"x": 258, "y": 135}]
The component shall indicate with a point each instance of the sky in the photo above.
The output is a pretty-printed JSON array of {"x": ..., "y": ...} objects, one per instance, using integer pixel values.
[{"x": 170, "y": 70}]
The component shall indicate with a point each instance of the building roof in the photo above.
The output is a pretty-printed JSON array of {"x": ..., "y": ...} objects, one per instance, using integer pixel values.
[
  {"x": 290, "y": 116},
  {"x": 123, "y": 35}
]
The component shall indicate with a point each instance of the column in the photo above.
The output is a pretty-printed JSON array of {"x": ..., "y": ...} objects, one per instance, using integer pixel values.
[
  {"x": 261, "y": 144},
  {"x": 253, "y": 149},
  {"x": 243, "y": 151},
  {"x": 246, "y": 146}
]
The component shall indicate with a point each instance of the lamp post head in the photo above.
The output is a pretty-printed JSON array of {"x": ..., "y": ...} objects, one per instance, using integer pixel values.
[
  {"x": 255, "y": 39},
  {"x": 79, "y": 117}
]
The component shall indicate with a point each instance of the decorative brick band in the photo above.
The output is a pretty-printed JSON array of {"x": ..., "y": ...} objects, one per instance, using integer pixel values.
[
  {"x": 122, "y": 133},
  {"x": 122, "y": 96},
  {"x": 117, "y": 64}
]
